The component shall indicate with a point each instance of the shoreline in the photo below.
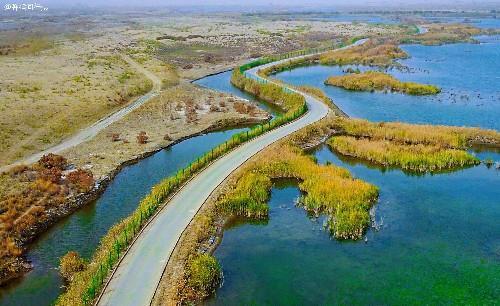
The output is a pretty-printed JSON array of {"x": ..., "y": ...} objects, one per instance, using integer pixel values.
[
  {"x": 210, "y": 74},
  {"x": 23, "y": 265},
  {"x": 178, "y": 261}
]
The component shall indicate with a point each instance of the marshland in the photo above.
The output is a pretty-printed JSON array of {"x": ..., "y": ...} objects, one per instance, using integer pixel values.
[{"x": 389, "y": 188}]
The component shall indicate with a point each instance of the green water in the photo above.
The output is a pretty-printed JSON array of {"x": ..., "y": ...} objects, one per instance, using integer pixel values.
[
  {"x": 439, "y": 236},
  {"x": 439, "y": 243}
]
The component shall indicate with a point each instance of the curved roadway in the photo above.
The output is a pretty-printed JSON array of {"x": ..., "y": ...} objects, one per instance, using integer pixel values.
[{"x": 137, "y": 276}]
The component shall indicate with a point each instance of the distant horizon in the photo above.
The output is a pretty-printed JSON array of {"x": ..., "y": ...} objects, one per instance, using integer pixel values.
[{"x": 340, "y": 5}]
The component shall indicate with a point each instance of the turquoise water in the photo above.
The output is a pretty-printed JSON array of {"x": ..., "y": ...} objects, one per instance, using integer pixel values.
[
  {"x": 439, "y": 243},
  {"x": 467, "y": 73},
  {"x": 82, "y": 230}
]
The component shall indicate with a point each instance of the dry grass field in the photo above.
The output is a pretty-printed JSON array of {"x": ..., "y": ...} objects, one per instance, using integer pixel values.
[{"x": 48, "y": 95}]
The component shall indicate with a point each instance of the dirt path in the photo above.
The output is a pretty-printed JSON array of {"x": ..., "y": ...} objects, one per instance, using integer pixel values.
[{"x": 98, "y": 126}]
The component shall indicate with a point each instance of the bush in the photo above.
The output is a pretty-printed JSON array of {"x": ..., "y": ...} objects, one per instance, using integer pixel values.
[
  {"x": 69, "y": 264},
  {"x": 142, "y": 138},
  {"x": 51, "y": 160},
  {"x": 115, "y": 137},
  {"x": 204, "y": 274},
  {"x": 52, "y": 175},
  {"x": 81, "y": 180}
]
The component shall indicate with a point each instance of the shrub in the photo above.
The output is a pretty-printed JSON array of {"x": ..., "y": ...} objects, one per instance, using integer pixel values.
[
  {"x": 204, "y": 273},
  {"x": 16, "y": 170},
  {"x": 81, "y": 180},
  {"x": 52, "y": 175},
  {"x": 51, "y": 160},
  {"x": 142, "y": 137},
  {"x": 242, "y": 108},
  {"x": 69, "y": 264},
  {"x": 115, "y": 137}
]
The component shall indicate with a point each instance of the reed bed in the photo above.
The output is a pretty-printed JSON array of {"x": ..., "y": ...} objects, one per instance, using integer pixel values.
[
  {"x": 405, "y": 133},
  {"x": 374, "y": 80},
  {"x": 327, "y": 189},
  {"x": 416, "y": 157}
]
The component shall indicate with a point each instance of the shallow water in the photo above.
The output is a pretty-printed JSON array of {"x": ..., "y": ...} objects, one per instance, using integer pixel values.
[
  {"x": 438, "y": 244},
  {"x": 467, "y": 74}
]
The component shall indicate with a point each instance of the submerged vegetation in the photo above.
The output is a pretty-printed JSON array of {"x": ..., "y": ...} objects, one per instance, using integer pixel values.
[{"x": 374, "y": 80}]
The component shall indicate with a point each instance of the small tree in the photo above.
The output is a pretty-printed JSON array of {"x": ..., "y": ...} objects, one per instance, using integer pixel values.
[{"x": 167, "y": 137}]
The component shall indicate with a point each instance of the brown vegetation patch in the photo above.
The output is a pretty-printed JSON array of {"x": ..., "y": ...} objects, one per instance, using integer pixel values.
[{"x": 46, "y": 186}]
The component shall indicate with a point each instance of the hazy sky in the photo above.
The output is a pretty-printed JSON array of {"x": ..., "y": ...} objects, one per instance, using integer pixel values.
[{"x": 449, "y": 4}]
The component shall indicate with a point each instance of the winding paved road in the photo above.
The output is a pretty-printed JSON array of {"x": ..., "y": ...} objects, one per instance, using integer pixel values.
[
  {"x": 94, "y": 129},
  {"x": 135, "y": 280}
]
